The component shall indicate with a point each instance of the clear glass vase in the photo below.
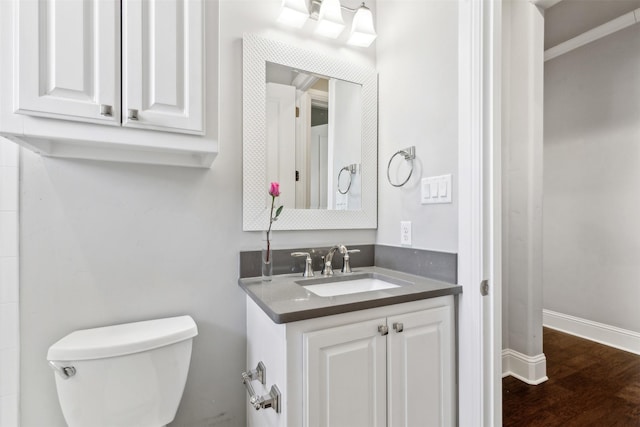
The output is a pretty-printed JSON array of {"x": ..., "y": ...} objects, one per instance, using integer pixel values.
[{"x": 267, "y": 257}]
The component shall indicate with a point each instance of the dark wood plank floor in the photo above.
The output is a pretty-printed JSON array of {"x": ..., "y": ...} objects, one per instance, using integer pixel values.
[{"x": 589, "y": 385}]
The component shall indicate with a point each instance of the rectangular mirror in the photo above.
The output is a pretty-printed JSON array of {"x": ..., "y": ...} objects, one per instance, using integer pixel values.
[{"x": 310, "y": 123}]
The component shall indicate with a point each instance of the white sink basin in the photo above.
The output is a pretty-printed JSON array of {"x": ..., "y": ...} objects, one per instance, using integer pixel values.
[{"x": 334, "y": 286}]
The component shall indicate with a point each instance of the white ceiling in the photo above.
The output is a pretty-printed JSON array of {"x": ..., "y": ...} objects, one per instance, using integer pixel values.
[{"x": 570, "y": 18}]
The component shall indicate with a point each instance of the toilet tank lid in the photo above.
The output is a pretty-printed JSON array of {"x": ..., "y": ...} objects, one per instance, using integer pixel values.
[{"x": 119, "y": 340}]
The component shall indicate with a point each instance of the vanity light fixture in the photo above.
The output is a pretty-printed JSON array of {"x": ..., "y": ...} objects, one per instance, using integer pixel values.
[
  {"x": 328, "y": 13},
  {"x": 362, "y": 31},
  {"x": 294, "y": 13},
  {"x": 330, "y": 22}
]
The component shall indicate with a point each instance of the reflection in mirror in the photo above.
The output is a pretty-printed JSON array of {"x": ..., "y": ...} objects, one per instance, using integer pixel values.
[{"x": 313, "y": 138}]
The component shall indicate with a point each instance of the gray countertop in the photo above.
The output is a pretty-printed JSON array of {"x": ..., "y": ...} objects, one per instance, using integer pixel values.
[{"x": 284, "y": 300}]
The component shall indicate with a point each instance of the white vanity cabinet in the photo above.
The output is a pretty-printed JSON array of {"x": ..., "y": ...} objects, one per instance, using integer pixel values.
[
  {"x": 345, "y": 369},
  {"x": 385, "y": 366},
  {"x": 135, "y": 66}
]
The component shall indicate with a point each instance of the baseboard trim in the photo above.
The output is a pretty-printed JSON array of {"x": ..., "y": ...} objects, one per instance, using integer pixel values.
[
  {"x": 530, "y": 369},
  {"x": 612, "y": 336}
]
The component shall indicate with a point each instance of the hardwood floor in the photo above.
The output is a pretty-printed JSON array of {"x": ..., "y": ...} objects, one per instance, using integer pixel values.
[{"x": 589, "y": 385}]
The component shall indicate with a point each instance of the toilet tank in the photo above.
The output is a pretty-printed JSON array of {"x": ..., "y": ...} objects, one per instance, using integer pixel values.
[{"x": 123, "y": 375}]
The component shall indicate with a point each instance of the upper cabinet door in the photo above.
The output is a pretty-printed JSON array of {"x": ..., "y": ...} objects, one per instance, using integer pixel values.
[
  {"x": 163, "y": 65},
  {"x": 69, "y": 60}
]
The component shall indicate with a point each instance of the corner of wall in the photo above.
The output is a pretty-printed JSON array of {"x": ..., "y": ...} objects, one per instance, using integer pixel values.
[
  {"x": 9, "y": 306},
  {"x": 530, "y": 369}
]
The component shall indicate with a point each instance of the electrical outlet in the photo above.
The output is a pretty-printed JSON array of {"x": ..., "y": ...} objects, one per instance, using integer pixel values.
[{"x": 405, "y": 232}]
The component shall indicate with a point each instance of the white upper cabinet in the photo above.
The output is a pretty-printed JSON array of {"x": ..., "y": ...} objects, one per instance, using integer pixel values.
[
  {"x": 69, "y": 60},
  {"x": 117, "y": 80},
  {"x": 163, "y": 65}
]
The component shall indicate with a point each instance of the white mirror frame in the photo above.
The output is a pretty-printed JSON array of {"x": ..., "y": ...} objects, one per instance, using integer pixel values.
[{"x": 257, "y": 51}]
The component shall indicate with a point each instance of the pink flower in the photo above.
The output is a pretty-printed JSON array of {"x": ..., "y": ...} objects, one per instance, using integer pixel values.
[{"x": 274, "y": 189}]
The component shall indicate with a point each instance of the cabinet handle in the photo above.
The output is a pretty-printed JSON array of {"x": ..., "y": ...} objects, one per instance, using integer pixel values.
[
  {"x": 133, "y": 114},
  {"x": 383, "y": 329},
  {"x": 399, "y": 327},
  {"x": 106, "y": 110}
]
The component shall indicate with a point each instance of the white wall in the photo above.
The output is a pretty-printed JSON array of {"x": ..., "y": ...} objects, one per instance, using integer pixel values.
[
  {"x": 592, "y": 181},
  {"x": 417, "y": 49},
  {"x": 106, "y": 243},
  {"x": 522, "y": 177},
  {"x": 9, "y": 297}
]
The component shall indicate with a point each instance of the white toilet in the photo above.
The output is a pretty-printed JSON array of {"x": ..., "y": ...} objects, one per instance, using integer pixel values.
[{"x": 123, "y": 375}]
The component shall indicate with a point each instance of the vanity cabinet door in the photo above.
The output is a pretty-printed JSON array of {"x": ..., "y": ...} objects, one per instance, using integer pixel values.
[
  {"x": 68, "y": 60},
  {"x": 420, "y": 368},
  {"x": 344, "y": 376},
  {"x": 163, "y": 65}
]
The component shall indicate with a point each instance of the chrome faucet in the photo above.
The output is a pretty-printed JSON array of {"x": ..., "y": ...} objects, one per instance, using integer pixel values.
[{"x": 327, "y": 267}]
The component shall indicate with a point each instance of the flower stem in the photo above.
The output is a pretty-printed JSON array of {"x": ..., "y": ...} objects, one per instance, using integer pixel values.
[{"x": 273, "y": 201}]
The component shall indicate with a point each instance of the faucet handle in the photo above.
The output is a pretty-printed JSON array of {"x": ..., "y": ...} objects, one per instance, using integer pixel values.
[
  {"x": 346, "y": 261},
  {"x": 308, "y": 268}
]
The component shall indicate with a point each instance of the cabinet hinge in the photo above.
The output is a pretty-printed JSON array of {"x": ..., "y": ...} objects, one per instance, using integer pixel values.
[
  {"x": 297, "y": 111},
  {"x": 484, "y": 288}
]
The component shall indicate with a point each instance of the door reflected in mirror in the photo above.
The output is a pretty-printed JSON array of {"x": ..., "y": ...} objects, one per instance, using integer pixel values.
[{"x": 313, "y": 139}]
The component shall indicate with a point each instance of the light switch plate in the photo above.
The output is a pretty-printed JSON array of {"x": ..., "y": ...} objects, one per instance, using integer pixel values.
[
  {"x": 405, "y": 232},
  {"x": 436, "y": 189},
  {"x": 426, "y": 190}
]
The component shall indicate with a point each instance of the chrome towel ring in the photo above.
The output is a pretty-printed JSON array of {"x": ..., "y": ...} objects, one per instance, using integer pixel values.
[
  {"x": 351, "y": 169},
  {"x": 409, "y": 154}
]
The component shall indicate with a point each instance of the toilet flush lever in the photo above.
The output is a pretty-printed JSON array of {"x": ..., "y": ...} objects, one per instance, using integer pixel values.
[{"x": 65, "y": 372}]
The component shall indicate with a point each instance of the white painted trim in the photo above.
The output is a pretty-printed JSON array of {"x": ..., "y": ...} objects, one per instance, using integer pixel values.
[
  {"x": 612, "y": 336},
  {"x": 594, "y": 34},
  {"x": 493, "y": 209},
  {"x": 475, "y": 405},
  {"x": 530, "y": 369}
]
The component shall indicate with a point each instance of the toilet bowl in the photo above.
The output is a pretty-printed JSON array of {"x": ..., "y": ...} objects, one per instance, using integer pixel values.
[{"x": 124, "y": 375}]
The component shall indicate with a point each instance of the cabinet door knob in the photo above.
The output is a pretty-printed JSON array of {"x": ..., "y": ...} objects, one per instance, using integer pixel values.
[
  {"x": 106, "y": 110},
  {"x": 383, "y": 329},
  {"x": 399, "y": 327},
  {"x": 133, "y": 114}
]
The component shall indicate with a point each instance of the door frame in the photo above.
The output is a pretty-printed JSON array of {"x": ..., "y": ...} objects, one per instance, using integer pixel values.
[{"x": 479, "y": 213}]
